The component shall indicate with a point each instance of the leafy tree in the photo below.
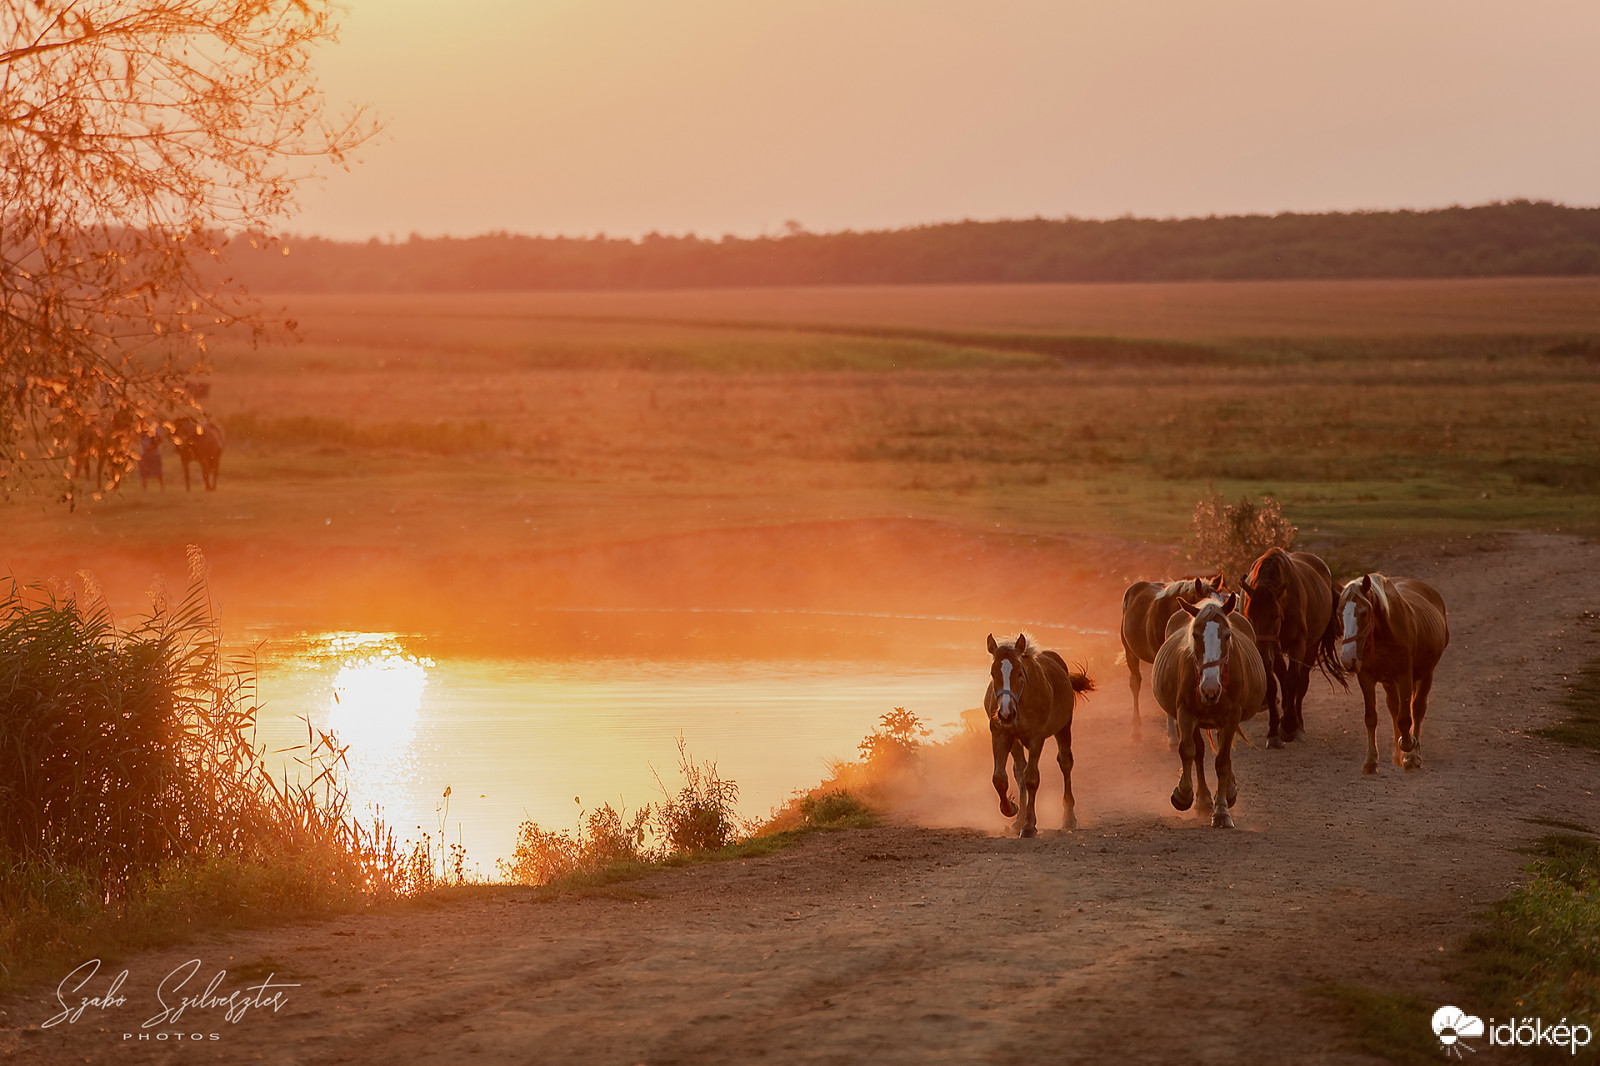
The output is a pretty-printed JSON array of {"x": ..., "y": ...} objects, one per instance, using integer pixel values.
[{"x": 137, "y": 138}]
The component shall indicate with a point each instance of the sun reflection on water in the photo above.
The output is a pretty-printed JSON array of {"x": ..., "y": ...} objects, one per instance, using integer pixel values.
[{"x": 373, "y": 709}]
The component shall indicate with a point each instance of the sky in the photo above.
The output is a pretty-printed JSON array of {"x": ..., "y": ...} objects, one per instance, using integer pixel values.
[{"x": 624, "y": 117}]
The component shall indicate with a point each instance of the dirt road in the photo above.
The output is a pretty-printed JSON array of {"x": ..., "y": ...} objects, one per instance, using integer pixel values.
[{"x": 1145, "y": 936}]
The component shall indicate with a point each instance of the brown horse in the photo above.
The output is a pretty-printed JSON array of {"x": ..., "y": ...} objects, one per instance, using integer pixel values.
[
  {"x": 199, "y": 443},
  {"x": 1394, "y": 631},
  {"x": 1030, "y": 697},
  {"x": 1289, "y": 599},
  {"x": 1208, "y": 675},
  {"x": 1146, "y": 607}
]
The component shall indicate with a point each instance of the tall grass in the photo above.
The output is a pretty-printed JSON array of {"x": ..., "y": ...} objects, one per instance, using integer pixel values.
[{"x": 134, "y": 801}]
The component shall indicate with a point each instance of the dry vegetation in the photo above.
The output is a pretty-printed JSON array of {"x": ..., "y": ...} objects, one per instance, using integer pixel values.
[{"x": 409, "y": 447}]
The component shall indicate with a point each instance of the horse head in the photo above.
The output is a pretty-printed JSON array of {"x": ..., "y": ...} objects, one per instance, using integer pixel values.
[
  {"x": 1008, "y": 675},
  {"x": 1265, "y": 590},
  {"x": 1358, "y": 620},
  {"x": 1210, "y": 644}
]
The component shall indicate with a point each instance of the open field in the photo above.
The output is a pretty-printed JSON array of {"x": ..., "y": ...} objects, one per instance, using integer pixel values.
[{"x": 420, "y": 445}]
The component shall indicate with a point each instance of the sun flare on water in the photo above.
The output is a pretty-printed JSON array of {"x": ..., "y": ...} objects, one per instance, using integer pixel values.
[{"x": 373, "y": 709}]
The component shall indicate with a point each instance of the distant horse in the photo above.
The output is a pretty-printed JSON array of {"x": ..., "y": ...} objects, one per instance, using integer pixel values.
[
  {"x": 1208, "y": 675},
  {"x": 199, "y": 443},
  {"x": 1394, "y": 631},
  {"x": 1146, "y": 607},
  {"x": 150, "y": 461},
  {"x": 1289, "y": 600},
  {"x": 1030, "y": 697}
]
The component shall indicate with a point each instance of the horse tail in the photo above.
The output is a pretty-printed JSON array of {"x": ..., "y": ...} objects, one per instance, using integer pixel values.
[
  {"x": 1326, "y": 658},
  {"x": 1081, "y": 681}
]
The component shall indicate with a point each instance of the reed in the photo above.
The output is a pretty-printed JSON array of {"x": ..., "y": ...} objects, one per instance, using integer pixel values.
[{"x": 135, "y": 804}]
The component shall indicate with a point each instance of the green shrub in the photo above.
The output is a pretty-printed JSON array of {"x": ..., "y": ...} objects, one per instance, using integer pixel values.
[{"x": 702, "y": 816}]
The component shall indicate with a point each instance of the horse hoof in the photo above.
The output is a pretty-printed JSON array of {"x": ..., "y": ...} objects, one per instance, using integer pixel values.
[
  {"x": 1028, "y": 831},
  {"x": 1369, "y": 768},
  {"x": 1221, "y": 819},
  {"x": 1408, "y": 744},
  {"x": 1182, "y": 802},
  {"x": 1412, "y": 761},
  {"x": 1008, "y": 808},
  {"x": 1069, "y": 822},
  {"x": 1275, "y": 743}
]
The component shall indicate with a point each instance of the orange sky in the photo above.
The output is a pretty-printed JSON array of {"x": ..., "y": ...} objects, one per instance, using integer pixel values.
[{"x": 714, "y": 116}]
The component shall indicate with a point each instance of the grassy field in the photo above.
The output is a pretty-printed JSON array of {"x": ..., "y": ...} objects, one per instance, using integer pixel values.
[{"x": 432, "y": 437}]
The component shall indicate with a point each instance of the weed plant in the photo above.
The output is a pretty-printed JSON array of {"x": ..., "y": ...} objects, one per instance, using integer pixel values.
[{"x": 135, "y": 804}]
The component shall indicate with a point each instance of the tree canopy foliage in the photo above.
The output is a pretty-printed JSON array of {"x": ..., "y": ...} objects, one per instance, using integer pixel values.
[
  {"x": 137, "y": 139},
  {"x": 1519, "y": 238}
]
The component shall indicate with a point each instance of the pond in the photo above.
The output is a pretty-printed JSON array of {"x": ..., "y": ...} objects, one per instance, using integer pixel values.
[{"x": 528, "y": 738}]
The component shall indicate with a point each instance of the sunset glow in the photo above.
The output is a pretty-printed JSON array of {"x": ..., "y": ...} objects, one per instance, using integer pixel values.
[{"x": 713, "y": 116}]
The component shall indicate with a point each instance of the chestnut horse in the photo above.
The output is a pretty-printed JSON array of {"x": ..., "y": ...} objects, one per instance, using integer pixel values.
[
  {"x": 1146, "y": 607},
  {"x": 1030, "y": 697},
  {"x": 1289, "y": 600},
  {"x": 1394, "y": 631},
  {"x": 201, "y": 443},
  {"x": 1208, "y": 675}
]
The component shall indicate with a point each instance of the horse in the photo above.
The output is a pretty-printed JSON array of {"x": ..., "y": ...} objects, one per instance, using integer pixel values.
[
  {"x": 150, "y": 461},
  {"x": 1146, "y": 608},
  {"x": 199, "y": 443},
  {"x": 1030, "y": 697},
  {"x": 1393, "y": 633},
  {"x": 1209, "y": 675},
  {"x": 1289, "y": 600}
]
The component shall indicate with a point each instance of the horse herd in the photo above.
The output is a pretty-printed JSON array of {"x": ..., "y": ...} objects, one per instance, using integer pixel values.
[
  {"x": 1217, "y": 659},
  {"x": 195, "y": 442}
]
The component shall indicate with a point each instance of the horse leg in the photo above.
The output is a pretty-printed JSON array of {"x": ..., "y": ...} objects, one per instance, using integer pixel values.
[
  {"x": 1403, "y": 723},
  {"x": 1227, "y": 788},
  {"x": 1030, "y": 789},
  {"x": 1419, "y": 707},
  {"x": 1391, "y": 693},
  {"x": 1019, "y": 764},
  {"x": 1002, "y": 748},
  {"x": 1183, "y": 795},
  {"x": 1132, "y": 660},
  {"x": 1069, "y": 819},
  {"x": 1300, "y": 678},
  {"x": 1369, "y": 697},
  {"x": 1275, "y": 721},
  {"x": 1203, "y": 803}
]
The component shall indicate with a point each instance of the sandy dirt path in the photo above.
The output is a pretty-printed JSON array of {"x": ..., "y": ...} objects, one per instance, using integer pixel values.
[{"x": 1145, "y": 936}]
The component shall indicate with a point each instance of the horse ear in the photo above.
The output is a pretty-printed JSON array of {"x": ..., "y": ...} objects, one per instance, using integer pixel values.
[
  {"x": 1246, "y": 587},
  {"x": 1366, "y": 582},
  {"x": 1022, "y": 643},
  {"x": 1227, "y": 604},
  {"x": 1188, "y": 608},
  {"x": 993, "y": 647},
  {"x": 1220, "y": 582}
]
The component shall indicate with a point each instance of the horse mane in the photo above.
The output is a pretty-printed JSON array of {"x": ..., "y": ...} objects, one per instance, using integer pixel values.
[
  {"x": 1277, "y": 557},
  {"x": 1031, "y": 652},
  {"x": 1381, "y": 593}
]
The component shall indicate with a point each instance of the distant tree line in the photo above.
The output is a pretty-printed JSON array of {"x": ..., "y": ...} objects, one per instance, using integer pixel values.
[{"x": 1500, "y": 239}]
